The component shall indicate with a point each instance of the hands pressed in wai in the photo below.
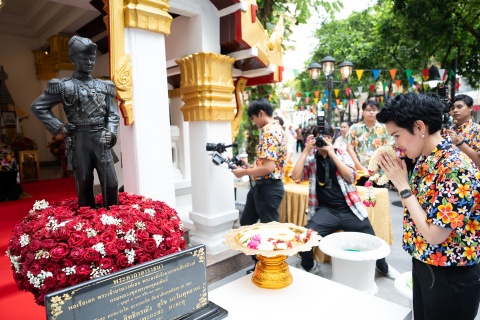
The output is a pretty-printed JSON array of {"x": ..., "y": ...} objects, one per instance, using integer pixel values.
[{"x": 395, "y": 169}]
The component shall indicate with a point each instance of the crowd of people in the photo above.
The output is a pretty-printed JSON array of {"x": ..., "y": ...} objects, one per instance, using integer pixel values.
[{"x": 436, "y": 175}]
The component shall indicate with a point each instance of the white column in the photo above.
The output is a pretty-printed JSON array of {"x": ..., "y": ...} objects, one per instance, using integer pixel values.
[
  {"x": 213, "y": 211},
  {"x": 146, "y": 144}
]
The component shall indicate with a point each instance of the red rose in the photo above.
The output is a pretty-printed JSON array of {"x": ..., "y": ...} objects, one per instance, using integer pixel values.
[
  {"x": 62, "y": 279},
  {"x": 35, "y": 268},
  {"x": 91, "y": 255},
  {"x": 76, "y": 279},
  {"x": 122, "y": 260},
  {"x": 77, "y": 254},
  {"x": 144, "y": 258},
  {"x": 93, "y": 241},
  {"x": 34, "y": 245},
  {"x": 83, "y": 270},
  {"x": 48, "y": 244},
  {"x": 76, "y": 239},
  {"x": 106, "y": 263},
  {"x": 121, "y": 244},
  {"x": 49, "y": 283},
  {"x": 61, "y": 234},
  {"x": 39, "y": 234},
  {"x": 40, "y": 299},
  {"x": 150, "y": 245},
  {"x": 142, "y": 235},
  {"x": 111, "y": 249},
  {"x": 108, "y": 236},
  {"x": 59, "y": 251},
  {"x": 51, "y": 267},
  {"x": 66, "y": 263}
]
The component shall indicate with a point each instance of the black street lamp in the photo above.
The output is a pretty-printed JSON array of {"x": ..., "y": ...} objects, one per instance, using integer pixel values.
[{"x": 328, "y": 66}]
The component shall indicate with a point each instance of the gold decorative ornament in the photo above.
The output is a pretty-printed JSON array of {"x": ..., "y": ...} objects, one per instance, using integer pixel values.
[
  {"x": 59, "y": 52},
  {"x": 272, "y": 243},
  {"x": 239, "y": 90},
  {"x": 151, "y": 15},
  {"x": 206, "y": 86}
]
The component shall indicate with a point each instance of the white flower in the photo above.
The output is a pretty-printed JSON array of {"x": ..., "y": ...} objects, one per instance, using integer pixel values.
[
  {"x": 14, "y": 261},
  {"x": 24, "y": 240},
  {"x": 136, "y": 206},
  {"x": 41, "y": 254},
  {"x": 100, "y": 247},
  {"x": 158, "y": 239},
  {"x": 40, "y": 205},
  {"x": 374, "y": 162},
  {"x": 130, "y": 236},
  {"x": 130, "y": 253},
  {"x": 78, "y": 226},
  {"x": 140, "y": 225},
  {"x": 99, "y": 272},
  {"x": 68, "y": 271},
  {"x": 151, "y": 212},
  {"x": 37, "y": 281},
  {"x": 91, "y": 232},
  {"x": 107, "y": 220},
  {"x": 53, "y": 224}
]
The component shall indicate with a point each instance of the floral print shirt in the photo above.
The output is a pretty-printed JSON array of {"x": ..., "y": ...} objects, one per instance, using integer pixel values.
[
  {"x": 447, "y": 186},
  {"x": 365, "y": 142},
  {"x": 470, "y": 131},
  {"x": 272, "y": 146},
  {"x": 349, "y": 191}
]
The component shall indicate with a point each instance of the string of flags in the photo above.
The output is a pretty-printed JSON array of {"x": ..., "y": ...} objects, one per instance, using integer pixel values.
[{"x": 351, "y": 97}]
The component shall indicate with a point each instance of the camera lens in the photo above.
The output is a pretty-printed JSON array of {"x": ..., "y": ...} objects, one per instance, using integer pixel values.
[
  {"x": 319, "y": 142},
  {"x": 211, "y": 146}
]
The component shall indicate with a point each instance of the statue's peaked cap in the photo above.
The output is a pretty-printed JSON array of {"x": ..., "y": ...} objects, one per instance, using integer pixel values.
[{"x": 78, "y": 44}]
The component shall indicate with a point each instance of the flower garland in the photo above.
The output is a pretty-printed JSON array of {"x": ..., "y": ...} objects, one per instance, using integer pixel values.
[
  {"x": 375, "y": 174},
  {"x": 61, "y": 245}
]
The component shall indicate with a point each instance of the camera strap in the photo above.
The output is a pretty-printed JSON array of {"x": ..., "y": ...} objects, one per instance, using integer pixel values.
[{"x": 327, "y": 182}]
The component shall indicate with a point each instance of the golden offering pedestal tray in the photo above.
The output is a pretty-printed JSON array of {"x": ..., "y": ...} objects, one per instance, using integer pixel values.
[{"x": 272, "y": 270}]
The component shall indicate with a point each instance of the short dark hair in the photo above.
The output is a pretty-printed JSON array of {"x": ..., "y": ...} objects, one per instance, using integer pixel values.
[
  {"x": 463, "y": 97},
  {"x": 406, "y": 108},
  {"x": 371, "y": 103},
  {"x": 258, "y": 105},
  {"x": 327, "y": 130},
  {"x": 280, "y": 120}
]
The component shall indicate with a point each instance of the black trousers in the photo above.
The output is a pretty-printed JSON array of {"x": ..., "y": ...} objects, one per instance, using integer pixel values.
[
  {"x": 445, "y": 292},
  {"x": 262, "y": 204},
  {"x": 88, "y": 155},
  {"x": 327, "y": 221}
]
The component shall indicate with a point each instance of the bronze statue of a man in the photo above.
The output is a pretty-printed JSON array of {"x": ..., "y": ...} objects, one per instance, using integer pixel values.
[{"x": 91, "y": 130}]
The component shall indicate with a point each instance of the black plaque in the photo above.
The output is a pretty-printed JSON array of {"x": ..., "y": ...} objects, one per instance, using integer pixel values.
[{"x": 171, "y": 287}]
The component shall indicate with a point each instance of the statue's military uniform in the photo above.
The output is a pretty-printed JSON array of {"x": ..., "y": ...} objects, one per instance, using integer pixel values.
[{"x": 90, "y": 109}]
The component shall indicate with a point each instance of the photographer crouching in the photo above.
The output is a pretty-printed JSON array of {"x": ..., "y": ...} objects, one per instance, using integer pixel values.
[
  {"x": 266, "y": 192},
  {"x": 333, "y": 202}
]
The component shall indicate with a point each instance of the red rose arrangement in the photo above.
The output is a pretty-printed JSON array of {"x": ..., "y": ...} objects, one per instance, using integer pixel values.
[{"x": 61, "y": 245}]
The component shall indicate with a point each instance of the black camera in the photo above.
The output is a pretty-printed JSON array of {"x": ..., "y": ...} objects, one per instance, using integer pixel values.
[
  {"x": 319, "y": 142},
  {"x": 217, "y": 157}
]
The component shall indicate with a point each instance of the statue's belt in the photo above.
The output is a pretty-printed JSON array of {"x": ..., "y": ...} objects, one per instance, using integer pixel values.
[{"x": 88, "y": 122}]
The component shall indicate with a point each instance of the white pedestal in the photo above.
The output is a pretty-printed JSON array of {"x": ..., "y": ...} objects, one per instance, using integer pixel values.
[{"x": 354, "y": 255}]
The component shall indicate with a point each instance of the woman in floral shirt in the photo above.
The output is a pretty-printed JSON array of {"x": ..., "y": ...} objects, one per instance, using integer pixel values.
[{"x": 441, "y": 225}]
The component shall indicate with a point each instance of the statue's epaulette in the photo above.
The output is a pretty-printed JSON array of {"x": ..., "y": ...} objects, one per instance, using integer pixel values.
[
  {"x": 54, "y": 86},
  {"x": 110, "y": 87}
]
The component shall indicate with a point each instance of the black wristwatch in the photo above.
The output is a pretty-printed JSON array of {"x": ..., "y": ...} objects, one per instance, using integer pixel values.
[{"x": 405, "y": 193}]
